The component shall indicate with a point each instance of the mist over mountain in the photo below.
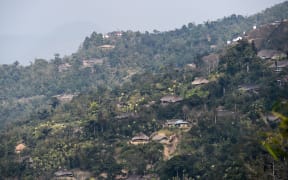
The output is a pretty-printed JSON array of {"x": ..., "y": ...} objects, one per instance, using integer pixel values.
[
  {"x": 201, "y": 101},
  {"x": 65, "y": 39},
  {"x": 35, "y": 29}
]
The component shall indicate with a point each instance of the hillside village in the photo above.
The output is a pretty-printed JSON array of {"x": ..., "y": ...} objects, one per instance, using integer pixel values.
[{"x": 183, "y": 104}]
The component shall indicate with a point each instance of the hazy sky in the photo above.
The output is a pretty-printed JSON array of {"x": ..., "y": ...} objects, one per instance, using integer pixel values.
[{"x": 32, "y": 29}]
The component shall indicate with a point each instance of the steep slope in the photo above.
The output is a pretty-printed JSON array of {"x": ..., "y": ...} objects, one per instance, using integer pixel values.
[
  {"x": 96, "y": 131},
  {"x": 87, "y": 112}
]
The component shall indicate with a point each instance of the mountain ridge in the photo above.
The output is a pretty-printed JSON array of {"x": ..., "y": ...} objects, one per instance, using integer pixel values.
[{"x": 164, "y": 104}]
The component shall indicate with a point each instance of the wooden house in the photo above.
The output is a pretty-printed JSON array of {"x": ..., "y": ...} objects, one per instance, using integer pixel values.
[
  {"x": 279, "y": 66},
  {"x": 179, "y": 123},
  {"x": 106, "y": 47},
  {"x": 140, "y": 138},
  {"x": 249, "y": 88},
  {"x": 63, "y": 173},
  {"x": 271, "y": 54},
  {"x": 170, "y": 99},
  {"x": 199, "y": 81}
]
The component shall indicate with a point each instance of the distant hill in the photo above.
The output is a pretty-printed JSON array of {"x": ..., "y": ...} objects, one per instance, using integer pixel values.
[
  {"x": 130, "y": 53},
  {"x": 182, "y": 104}
]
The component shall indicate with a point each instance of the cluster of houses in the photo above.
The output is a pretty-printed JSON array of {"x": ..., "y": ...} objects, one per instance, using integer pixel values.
[
  {"x": 113, "y": 34},
  {"x": 65, "y": 98},
  {"x": 86, "y": 63},
  {"x": 277, "y": 61},
  {"x": 91, "y": 62},
  {"x": 142, "y": 138}
]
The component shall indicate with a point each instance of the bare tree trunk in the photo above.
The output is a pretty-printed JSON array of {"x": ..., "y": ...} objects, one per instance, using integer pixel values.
[{"x": 273, "y": 170}]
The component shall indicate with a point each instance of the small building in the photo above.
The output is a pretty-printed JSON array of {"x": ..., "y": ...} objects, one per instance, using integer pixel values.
[
  {"x": 170, "y": 99},
  {"x": 65, "y": 98},
  {"x": 64, "y": 67},
  {"x": 266, "y": 53},
  {"x": 179, "y": 123},
  {"x": 278, "y": 66},
  {"x": 106, "y": 47},
  {"x": 91, "y": 62},
  {"x": 191, "y": 66},
  {"x": 272, "y": 118},
  {"x": 271, "y": 54},
  {"x": 63, "y": 173},
  {"x": 283, "y": 80},
  {"x": 248, "y": 88},
  {"x": 140, "y": 138},
  {"x": 105, "y": 36},
  {"x": 239, "y": 38},
  {"x": 199, "y": 81}
]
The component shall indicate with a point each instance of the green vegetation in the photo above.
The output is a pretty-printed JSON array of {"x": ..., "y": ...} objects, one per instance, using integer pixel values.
[{"x": 83, "y": 112}]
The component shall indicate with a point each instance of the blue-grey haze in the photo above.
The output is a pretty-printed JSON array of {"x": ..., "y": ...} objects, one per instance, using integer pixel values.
[{"x": 32, "y": 29}]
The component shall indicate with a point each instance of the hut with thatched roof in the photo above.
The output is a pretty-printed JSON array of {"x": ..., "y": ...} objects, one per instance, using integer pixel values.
[
  {"x": 140, "y": 138},
  {"x": 199, "y": 81}
]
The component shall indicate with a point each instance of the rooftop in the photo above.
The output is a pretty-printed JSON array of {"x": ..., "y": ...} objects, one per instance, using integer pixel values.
[
  {"x": 171, "y": 98},
  {"x": 200, "y": 80}
]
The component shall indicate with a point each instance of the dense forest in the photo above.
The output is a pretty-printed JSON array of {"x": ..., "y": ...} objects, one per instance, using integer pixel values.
[{"x": 205, "y": 101}]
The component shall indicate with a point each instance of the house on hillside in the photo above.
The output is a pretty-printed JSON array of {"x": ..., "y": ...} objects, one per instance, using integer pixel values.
[
  {"x": 271, "y": 54},
  {"x": 279, "y": 66},
  {"x": 105, "y": 36},
  {"x": 239, "y": 38},
  {"x": 106, "y": 47},
  {"x": 266, "y": 53},
  {"x": 64, "y": 67},
  {"x": 65, "y": 98},
  {"x": 170, "y": 99},
  {"x": 199, "y": 81},
  {"x": 63, "y": 173},
  {"x": 272, "y": 118},
  {"x": 140, "y": 138},
  {"x": 249, "y": 88},
  {"x": 91, "y": 62},
  {"x": 191, "y": 66},
  {"x": 282, "y": 80},
  {"x": 179, "y": 123}
]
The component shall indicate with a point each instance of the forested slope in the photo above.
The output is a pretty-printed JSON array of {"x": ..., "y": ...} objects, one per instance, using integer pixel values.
[{"x": 162, "y": 105}]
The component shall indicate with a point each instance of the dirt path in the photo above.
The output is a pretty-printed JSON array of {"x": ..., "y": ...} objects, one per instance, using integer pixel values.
[{"x": 170, "y": 148}]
